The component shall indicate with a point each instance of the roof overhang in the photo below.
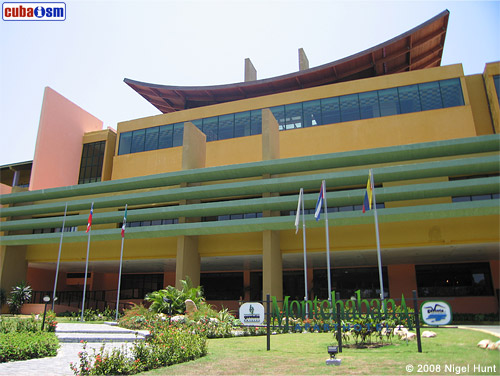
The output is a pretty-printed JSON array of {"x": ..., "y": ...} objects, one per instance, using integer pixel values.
[{"x": 419, "y": 48}]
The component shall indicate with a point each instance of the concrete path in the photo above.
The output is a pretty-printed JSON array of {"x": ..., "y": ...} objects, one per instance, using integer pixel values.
[
  {"x": 490, "y": 329},
  {"x": 70, "y": 335}
]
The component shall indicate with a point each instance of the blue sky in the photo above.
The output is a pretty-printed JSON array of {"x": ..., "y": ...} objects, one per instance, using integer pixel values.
[{"x": 86, "y": 57}]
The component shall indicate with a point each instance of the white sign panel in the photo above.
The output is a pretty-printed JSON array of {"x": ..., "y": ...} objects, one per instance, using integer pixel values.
[
  {"x": 252, "y": 314},
  {"x": 436, "y": 313}
]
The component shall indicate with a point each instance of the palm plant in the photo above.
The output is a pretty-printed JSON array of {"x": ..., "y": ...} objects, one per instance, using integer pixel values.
[
  {"x": 170, "y": 297},
  {"x": 20, "y": 294}
]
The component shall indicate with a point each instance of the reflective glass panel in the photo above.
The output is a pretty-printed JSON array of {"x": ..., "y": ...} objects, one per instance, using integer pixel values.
[
  {"x": 451, "y": 93},
  {"x": 293, "y": 116},
  {"x": 152, "y": 138},
  {"x": 279, "y": 114},
  {"x": 349, "y": 107},
  {"x": 165, "y": 136},
  {"x": 178, "y": 134},
  {"x": 138, "y": 141},
  {"x": 389, "y": 102},
  {"x": 409, "y": 99},
  {"x": 330, "y": 110},
  {"x": 256, "y": 121},
  {"x": 430, "y": 96},
  {"x": 242, "y": 124},
  {"x": 226, "y": 127},
  {"x": 496, "y": 80},
  {"x": 125, "y": 143},
  {"x": 368, "y": 105},
  {"x": 211, "y": 127},
  {"x": 312, "y": 113}
]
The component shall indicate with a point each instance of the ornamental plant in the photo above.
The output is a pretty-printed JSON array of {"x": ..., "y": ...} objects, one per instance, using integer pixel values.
[
  {"x": 20, "y": 294},
  {"x": 174, "y": 299}
]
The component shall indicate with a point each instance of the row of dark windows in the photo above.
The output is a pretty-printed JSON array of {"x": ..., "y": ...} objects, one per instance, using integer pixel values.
[
  {"x": 367, "y": 105},
  {"x": 91, "y": 162},
  {"x": 493, "y": 196},
  {"x": 437, "y": 280}
]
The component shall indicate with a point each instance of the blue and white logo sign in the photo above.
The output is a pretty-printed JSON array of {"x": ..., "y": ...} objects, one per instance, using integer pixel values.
[
  {"x": 252, "y": 314},
  {"x": 436, "y": 313},
  {"x": 34, "y": 11}
]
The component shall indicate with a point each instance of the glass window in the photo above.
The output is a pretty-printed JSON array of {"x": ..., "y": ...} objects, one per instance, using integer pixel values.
[
  {"x": 349, "y": 107},
  {"x": 222, "y": 286},
  {"x": 178, "y": 134},
  {"x": 198, "y": 124},
  {"x": 279, "y": 114},
  {"x": 312, "y": 113},
  {"x": 242, "y": 124},
  {"x": 226, "y": 127},
  {"x": 256, "y": 121},
  {"x": 330, "y": 110},
  {"x": 496, "y": 81},
  {"x": 165, "y": 136},
  {"x": 409, "y": 99},
  {"x": 91, "y": 162},
  {"x": 152, "y": 138},
  {"x": 138, "y": 137},
  {"x": 211, "y": 127},
  {"x": 125, "y": 143},
  {"x": 389, "y": 102},
  {"x": 430, "y": 96},
  {"x": 451, "y": 93},
  {"x": 293, "y": 116},
  {"x": 469, "y": 279},
  {"x": 368, "y": 105}
]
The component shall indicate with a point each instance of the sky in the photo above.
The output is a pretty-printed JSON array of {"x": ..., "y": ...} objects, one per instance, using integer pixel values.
[{"x": 194, "y": 43}]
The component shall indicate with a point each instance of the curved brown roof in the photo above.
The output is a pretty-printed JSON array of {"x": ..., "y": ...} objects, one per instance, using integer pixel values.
[{"x": 419, "y": 48}]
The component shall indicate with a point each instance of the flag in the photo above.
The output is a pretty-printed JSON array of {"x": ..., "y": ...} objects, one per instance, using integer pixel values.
[
  {"x": 367, "y": 203},
  {"x": 297, "y": 216},
  {"x": 124, "y": 222},
  {"x": 89, "y": 223},
  {"x": 319, "y": 203}
]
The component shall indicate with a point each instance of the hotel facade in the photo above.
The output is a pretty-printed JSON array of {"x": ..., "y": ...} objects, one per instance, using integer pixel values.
[{"x": 211, "y": 186}]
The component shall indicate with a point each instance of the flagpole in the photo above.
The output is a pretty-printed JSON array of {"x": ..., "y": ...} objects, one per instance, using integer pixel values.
[
  {"x": 59, "y": 257},
  {"x": 121, "y": 263},
  {"x": 305, "y": 255},
  {"x": 325, "y": 207},
  {"x": 379, "y": 258},
  {"x": 89, "y": 229}
]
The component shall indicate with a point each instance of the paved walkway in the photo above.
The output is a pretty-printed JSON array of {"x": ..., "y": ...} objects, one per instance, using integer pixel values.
[
  {"x": 70, "y": 336},
  {"x": 490, "y": 329}
]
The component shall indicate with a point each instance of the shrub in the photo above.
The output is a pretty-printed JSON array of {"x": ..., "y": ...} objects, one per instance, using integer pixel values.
[
  {"x": 26, "y": 345},
  {"x": 167, "y": 345},
  {"x": 19, "y": 295},
  {"x": 136, "y": 317},
  {"x": 175, "y": 297},
  {"x": 50, "y": 321}
]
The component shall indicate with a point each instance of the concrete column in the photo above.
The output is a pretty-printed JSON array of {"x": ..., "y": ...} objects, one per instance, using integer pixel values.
[
  {"x": 270, "y": 136},
  {"x": 402, "y": 280},
  {"x": 272, "y": 265},
  {"x": 193, "y": 156},
  {"x": 250, "y": 71},
  {"x": 13, "y": 266},
  {"x": 303, "y": 60},
  {"x": 188, "y": 260}
]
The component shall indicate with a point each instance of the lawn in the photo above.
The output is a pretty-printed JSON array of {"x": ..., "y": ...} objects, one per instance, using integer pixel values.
[{"x": 306, "y": 353}]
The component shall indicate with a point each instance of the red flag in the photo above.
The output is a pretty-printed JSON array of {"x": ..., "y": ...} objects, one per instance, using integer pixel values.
[{"x": 89, "y": 223}]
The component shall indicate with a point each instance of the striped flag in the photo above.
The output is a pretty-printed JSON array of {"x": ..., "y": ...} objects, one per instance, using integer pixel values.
[
  {"x": 124, "y": 222},
  {"x": 367, "y": 203},
  {"x": 319, "y": 203},
  {"x": 89, "y": 223},
  {"x": 297, "y": 216}
]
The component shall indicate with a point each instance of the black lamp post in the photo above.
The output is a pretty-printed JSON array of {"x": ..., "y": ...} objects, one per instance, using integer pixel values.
[{"x": 46, "y": 300}]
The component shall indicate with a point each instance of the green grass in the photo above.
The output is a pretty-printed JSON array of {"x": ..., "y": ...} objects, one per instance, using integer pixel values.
[{"x": 305, "y": 354}]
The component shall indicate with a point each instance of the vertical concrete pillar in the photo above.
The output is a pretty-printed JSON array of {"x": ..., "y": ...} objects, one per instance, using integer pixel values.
[
  {"x": 270, "y": 136},
  {"x": 188, "y": 260},
  {"x": 303, "y": 60},
  {"x": 250, "y": 71},
  {"x": 193, "y": 156},
  {"x": 272, "y": 265},
  {"x": 13, "y": 266}
]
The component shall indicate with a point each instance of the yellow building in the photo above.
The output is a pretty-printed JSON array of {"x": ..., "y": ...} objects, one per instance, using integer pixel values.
[{"x": 211, "y": 185}]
